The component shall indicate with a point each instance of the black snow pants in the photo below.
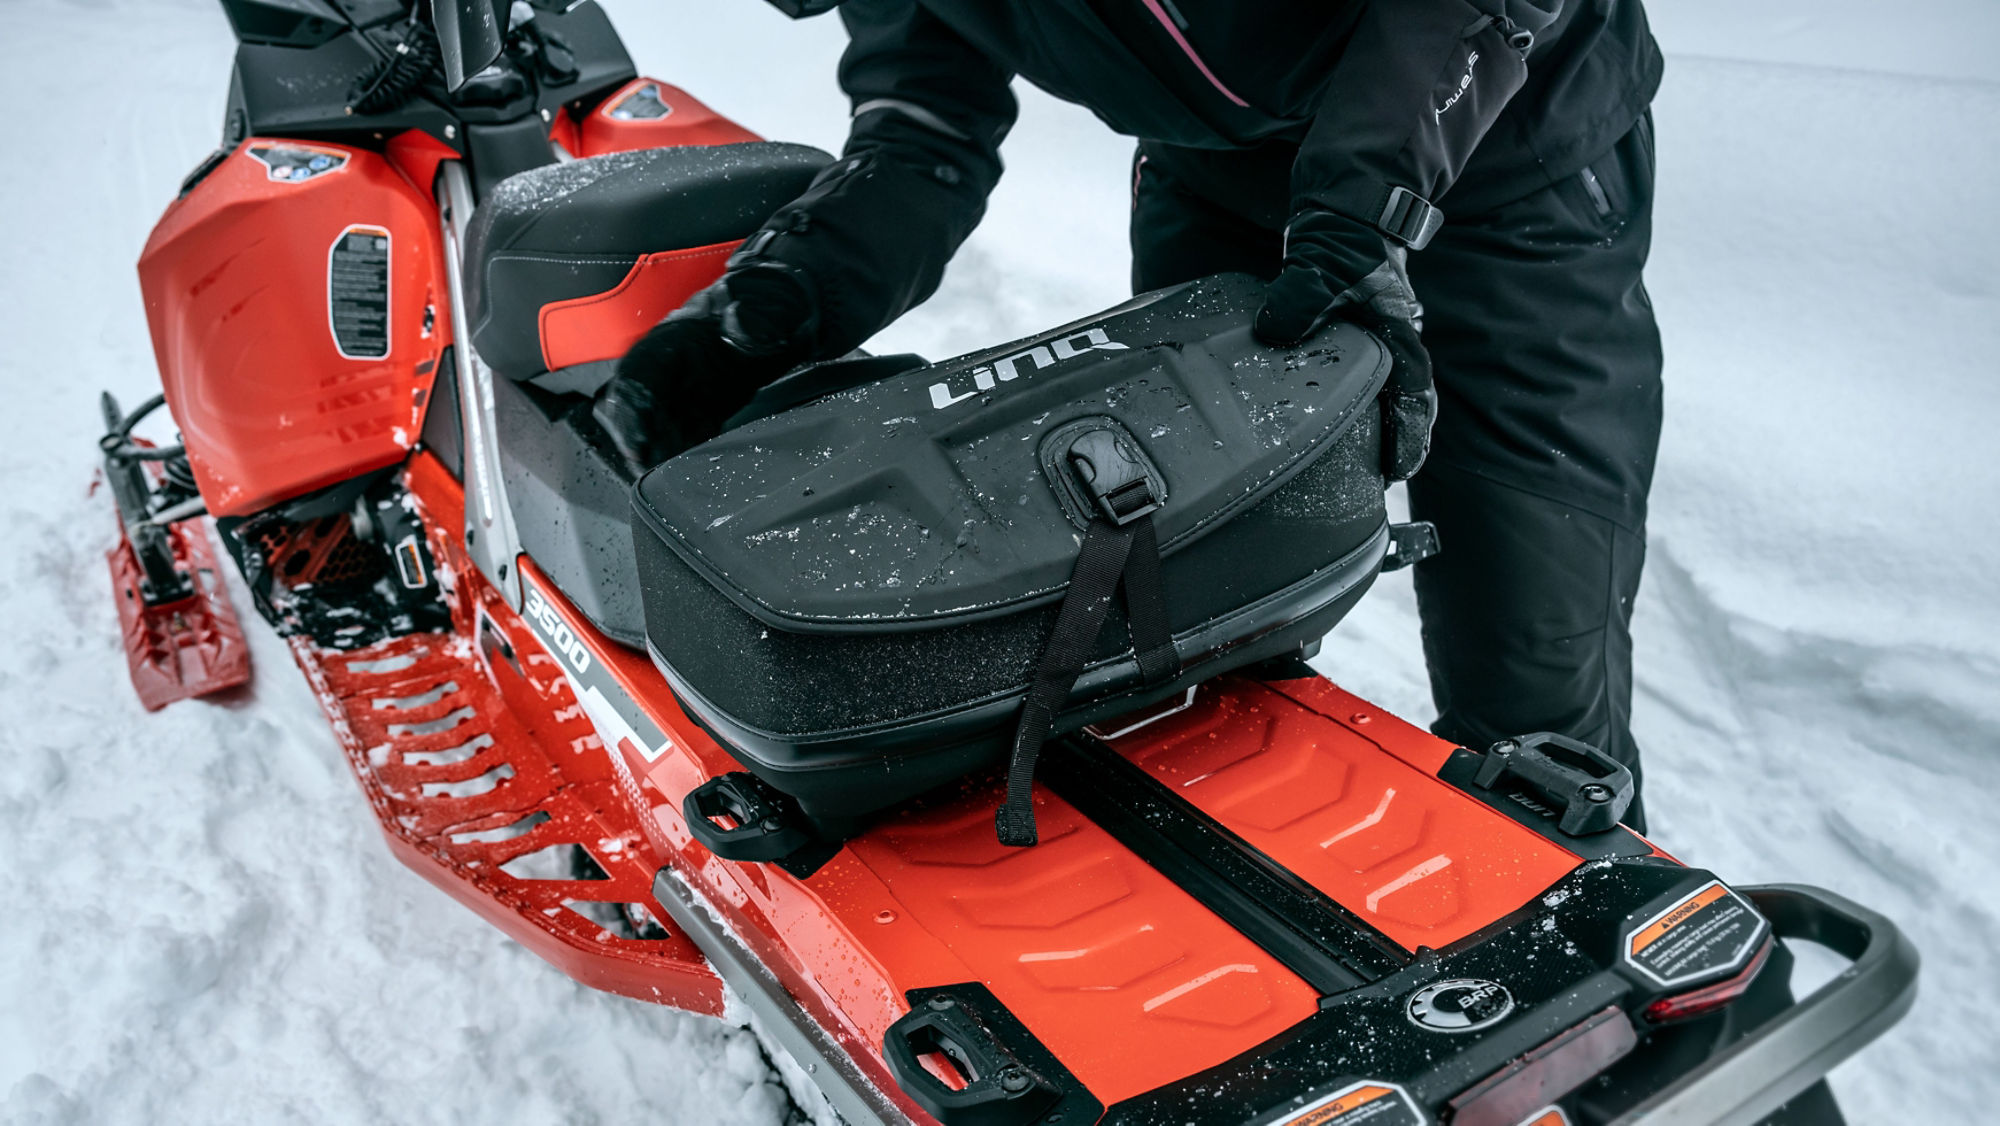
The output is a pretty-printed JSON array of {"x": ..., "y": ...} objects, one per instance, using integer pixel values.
[{"x": 1547, "y": 361}]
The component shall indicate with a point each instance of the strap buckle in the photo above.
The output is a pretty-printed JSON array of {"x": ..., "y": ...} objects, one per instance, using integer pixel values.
[
  {"x": 1115, "y": 480},
  {"x": 1410, "y": 218}
]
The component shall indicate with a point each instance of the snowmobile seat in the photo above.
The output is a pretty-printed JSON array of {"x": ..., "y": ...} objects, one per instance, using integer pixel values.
[
  {"x": 568, "y": 264},
  {"x": 854, "y": 595}
]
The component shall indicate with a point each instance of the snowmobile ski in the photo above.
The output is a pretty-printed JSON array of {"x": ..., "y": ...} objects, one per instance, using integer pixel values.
[{"x": 181, "y": 635}]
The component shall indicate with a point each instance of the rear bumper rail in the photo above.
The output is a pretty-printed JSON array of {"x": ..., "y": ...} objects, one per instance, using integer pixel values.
[{"x": 1765, "y": 1069}]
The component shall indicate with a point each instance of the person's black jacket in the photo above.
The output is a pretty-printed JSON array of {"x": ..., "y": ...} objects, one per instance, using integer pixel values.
[{"x": 1467, "y": 103}]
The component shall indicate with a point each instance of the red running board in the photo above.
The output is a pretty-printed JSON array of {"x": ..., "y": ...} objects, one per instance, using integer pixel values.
[{"x": 476, "y": 763}]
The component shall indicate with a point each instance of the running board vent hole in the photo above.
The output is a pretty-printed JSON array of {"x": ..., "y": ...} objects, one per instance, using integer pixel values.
[
  {"x": 443, "y": 723},
  {"x": 380, "y": 665},
  {"x": 556, "y": 862},
  {"x": 471, "y": 787},
  {"x": 519, "y": 828},
  {"x": 450, "y": 756},
  {"x": 619, "y": 920},
  {"x": 420, "y": 700}
]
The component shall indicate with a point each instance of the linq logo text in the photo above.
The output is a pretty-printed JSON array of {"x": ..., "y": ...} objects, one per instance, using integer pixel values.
[{"x": 1008, "y": 369}]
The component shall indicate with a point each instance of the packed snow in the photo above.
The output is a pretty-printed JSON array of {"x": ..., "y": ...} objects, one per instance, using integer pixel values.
[{"x": 205, "y": 927}]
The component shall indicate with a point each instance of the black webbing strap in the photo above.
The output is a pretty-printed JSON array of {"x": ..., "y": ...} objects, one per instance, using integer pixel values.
[
  {"x": 1112, "y": 554},
  {"x": 1146, "y": 607}
]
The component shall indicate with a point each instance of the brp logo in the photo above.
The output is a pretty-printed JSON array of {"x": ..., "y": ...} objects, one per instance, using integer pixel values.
[{"x": 1464, "y": 1004}]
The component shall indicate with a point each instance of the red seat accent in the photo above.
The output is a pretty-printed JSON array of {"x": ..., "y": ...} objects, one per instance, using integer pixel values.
[{"x": 603, "y": 325}]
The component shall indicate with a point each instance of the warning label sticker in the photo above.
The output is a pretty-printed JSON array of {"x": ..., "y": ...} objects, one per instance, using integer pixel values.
[
  {"x": 357, "y": 292},
  {"x": 1706, "y": 933},
  {"x": 1369, "y": 1101},
  {"x": 1547, "y": 1116}
]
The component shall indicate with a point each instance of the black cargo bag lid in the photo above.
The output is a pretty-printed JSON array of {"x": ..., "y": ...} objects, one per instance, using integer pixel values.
[{"x": 943, "y": 495}]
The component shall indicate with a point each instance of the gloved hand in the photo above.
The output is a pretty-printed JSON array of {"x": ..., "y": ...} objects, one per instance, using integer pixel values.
[
  {"x": 676, "y": 387},
  {"x": 1339, "y": 269}
]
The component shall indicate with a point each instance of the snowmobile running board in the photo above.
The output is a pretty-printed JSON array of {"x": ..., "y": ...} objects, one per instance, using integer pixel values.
[{"x": 464, "y": 789}]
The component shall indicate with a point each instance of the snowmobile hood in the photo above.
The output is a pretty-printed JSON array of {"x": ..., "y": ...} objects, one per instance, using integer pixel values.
[{"x": 950, "y": 492}]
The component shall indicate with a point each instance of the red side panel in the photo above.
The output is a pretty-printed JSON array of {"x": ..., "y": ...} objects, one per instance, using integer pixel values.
[
  {"x": 1310, "y": 787},
  {"x": 417, "y": 154},
  {"x": 296, "y": 300},
  {"x": 603, "y": 325},
  {"x": 564, "y": 131},
  {"x": 649, "y": 114}
]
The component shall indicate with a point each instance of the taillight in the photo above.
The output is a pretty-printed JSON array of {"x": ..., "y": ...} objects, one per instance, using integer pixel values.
[
  {"x": 1707, "y": 999},
  {"x": 1547, "y": 1073}
]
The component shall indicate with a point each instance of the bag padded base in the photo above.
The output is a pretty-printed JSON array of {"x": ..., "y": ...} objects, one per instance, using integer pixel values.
[
  {"x": 840, "y": 778},
  {"x": 852, "y": 723}
]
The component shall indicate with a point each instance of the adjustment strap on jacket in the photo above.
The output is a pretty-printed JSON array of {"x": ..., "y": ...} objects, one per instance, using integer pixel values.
[
  {"x": 1398, "y": 213},
  {"x": 1111, "y": 554},
  {"x": 1409, "y": 218}
]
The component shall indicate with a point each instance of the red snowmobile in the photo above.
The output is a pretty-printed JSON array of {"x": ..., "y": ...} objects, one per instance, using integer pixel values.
[{"x": 738, "y": 727}]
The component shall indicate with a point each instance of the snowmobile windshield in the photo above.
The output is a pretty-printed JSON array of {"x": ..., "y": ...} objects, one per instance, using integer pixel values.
[
  {"x": 804, "y": 9},
  {"x": 471, "y": 35}
]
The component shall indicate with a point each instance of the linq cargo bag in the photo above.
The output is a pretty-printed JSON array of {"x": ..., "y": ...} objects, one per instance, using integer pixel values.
[{"x": 878, "y": 591}]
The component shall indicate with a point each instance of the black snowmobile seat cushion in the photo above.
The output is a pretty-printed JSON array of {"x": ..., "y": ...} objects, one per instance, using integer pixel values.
[{"x": 575, "y": 233}]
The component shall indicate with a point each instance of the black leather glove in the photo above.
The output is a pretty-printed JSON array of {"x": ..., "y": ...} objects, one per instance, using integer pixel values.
[
  {"x": 692, "y": 371},
  {"x": 1339, "y": 269}
]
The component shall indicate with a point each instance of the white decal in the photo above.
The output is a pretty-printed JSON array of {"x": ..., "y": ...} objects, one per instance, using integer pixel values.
[
  {"x": 556, "y": 632},
  {"x": 1007, "y": 368},
  {"x": 1464, "y": 84}
]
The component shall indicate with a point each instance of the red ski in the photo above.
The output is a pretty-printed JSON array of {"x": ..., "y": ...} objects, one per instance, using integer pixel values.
[{"x": 181, "y": 635}]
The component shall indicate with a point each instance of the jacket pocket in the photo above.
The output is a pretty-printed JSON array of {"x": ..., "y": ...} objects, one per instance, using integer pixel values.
[{"x": 1617, "y": 188}]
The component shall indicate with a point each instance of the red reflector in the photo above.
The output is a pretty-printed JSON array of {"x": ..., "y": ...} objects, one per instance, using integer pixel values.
[
  {"x": 1707, "y": 999},
  {"x": 1547, "y": 1073}
]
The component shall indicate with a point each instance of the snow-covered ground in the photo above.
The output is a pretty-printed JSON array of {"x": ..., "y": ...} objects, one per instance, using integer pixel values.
[{"x": 203, "y": 926}]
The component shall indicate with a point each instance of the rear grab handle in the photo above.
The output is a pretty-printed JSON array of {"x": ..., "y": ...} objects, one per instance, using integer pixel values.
[{"x": 1760, "y": 1072}]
